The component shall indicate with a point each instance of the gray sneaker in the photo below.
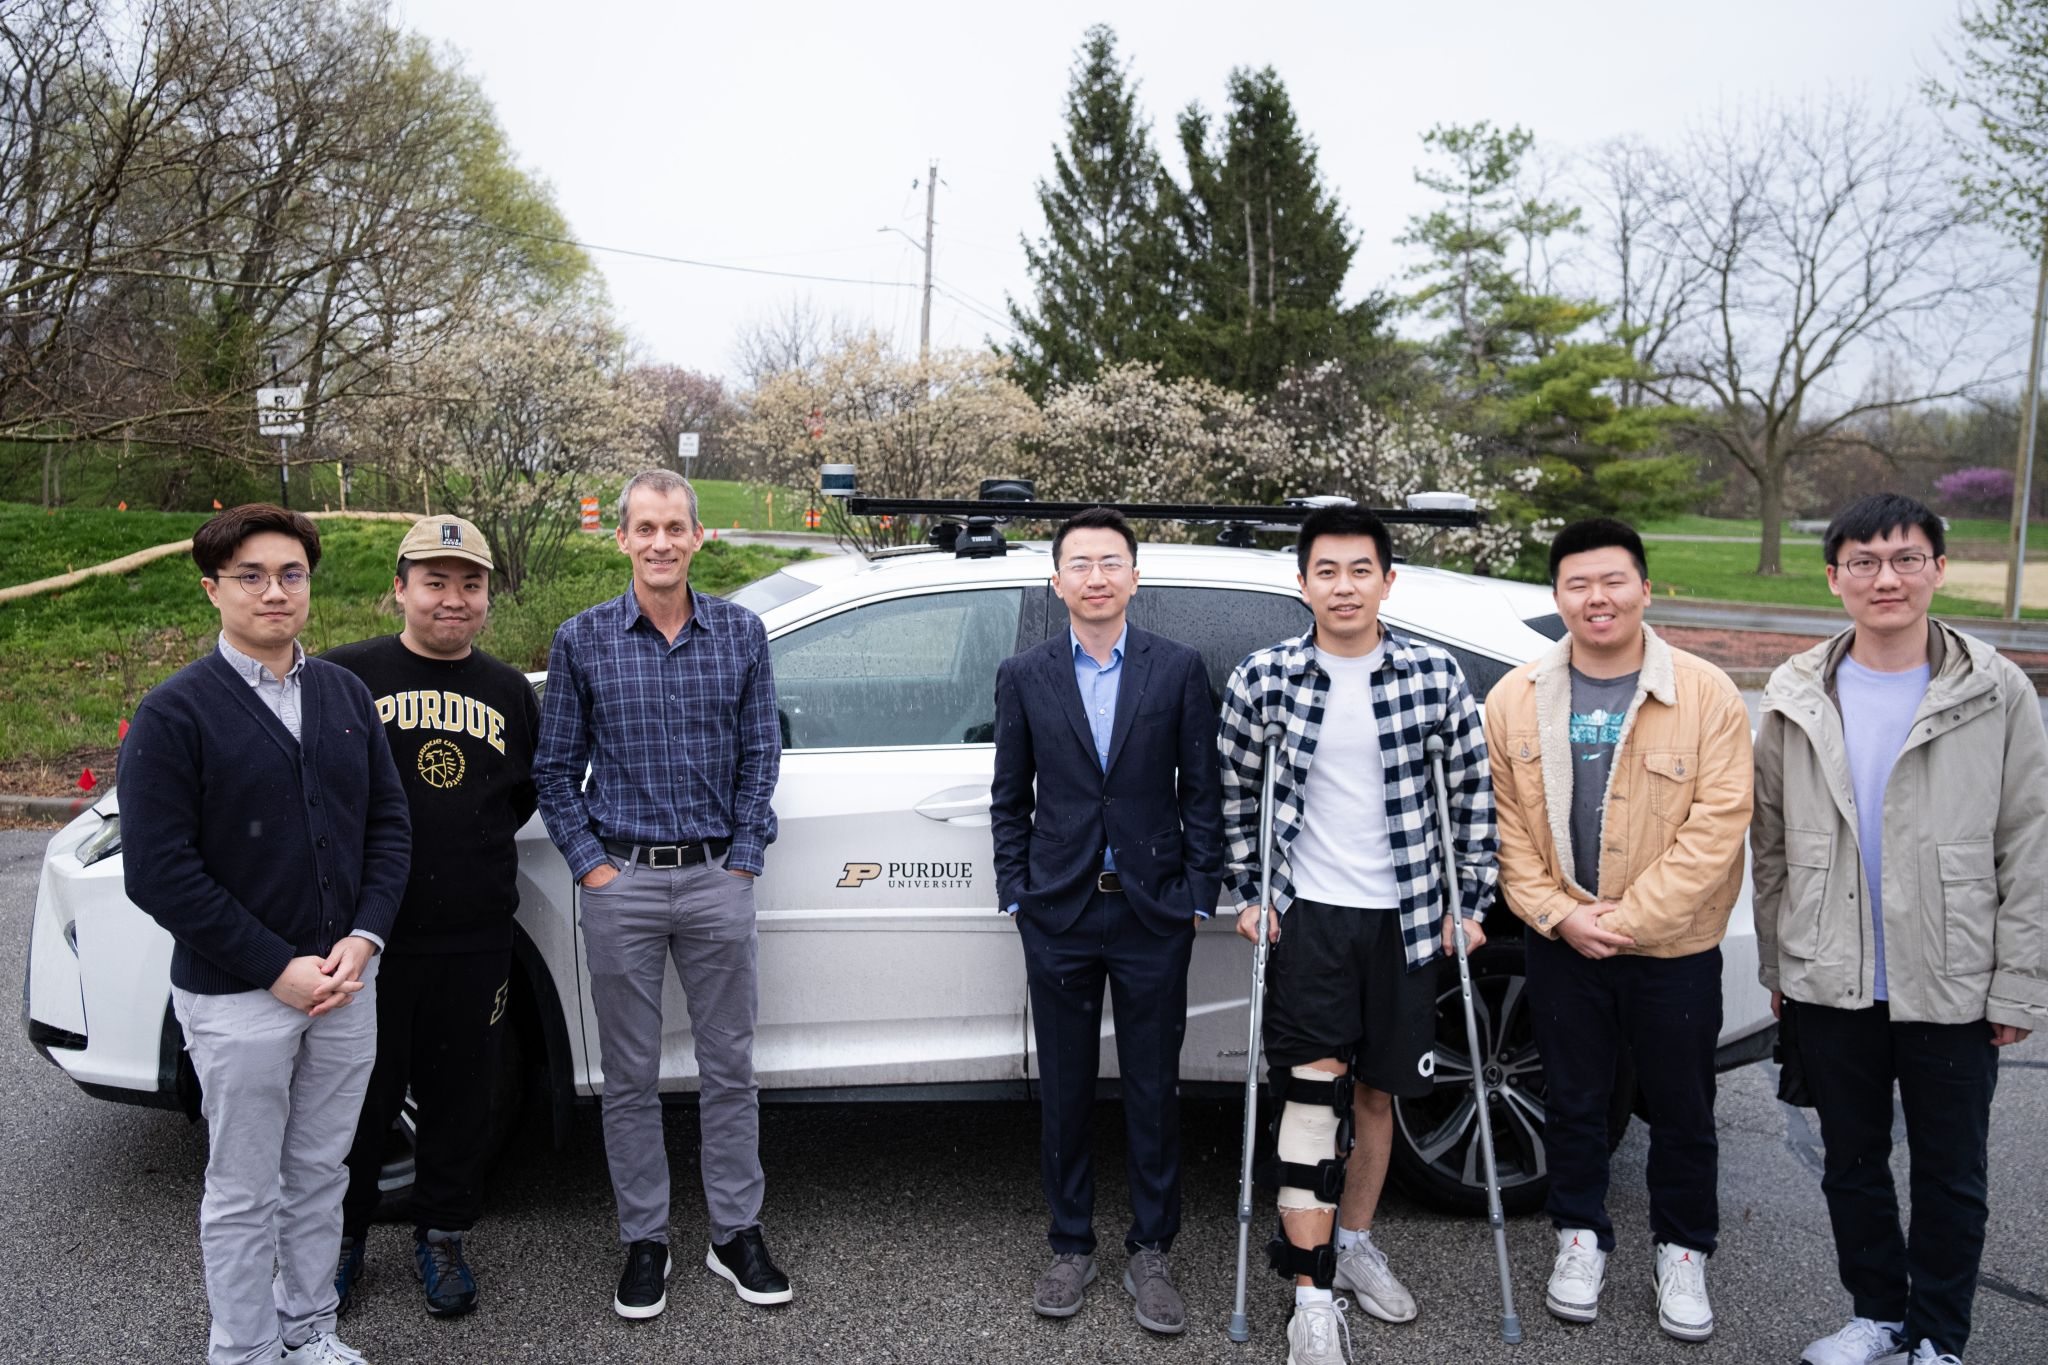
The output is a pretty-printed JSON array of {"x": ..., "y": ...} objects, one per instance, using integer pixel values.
[
  {"x": 1317, "y": 1334},
  {"x": 1059, "y": 1289},
  {"x": 1149, "y": 1282}
]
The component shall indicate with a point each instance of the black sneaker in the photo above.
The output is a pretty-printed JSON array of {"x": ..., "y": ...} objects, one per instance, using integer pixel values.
[
  {"x": 347, "y": 1270},
  {"x": 642, "y": 1291},
  {"x": 744, "y": 1264},
  {"x": 451, "y": 1288}
]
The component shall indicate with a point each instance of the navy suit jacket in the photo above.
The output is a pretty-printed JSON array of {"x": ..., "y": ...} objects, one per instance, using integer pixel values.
[{"x": 1159, "y": 803}]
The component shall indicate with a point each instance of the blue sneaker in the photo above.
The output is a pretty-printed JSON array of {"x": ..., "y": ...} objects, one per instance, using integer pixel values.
[
  {"x": 437, "y": 1260},
  {"x": 347, "y": 1271}
]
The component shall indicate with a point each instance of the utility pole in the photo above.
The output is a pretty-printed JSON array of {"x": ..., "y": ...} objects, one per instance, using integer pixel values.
[
  {"x": 924, "y": 327},
  {"x": 2023, "y": 482}
]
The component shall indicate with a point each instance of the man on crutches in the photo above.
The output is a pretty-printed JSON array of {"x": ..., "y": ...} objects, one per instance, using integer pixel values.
[
  {"x": 1623, "y": 768},
  {"x": 1356, "y": 878}
]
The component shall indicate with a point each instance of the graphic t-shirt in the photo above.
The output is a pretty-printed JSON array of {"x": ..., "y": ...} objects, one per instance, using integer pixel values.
[
  {"x": 462, "y": 732},
  {"x": 1877, "y": 717},
  {"x": 1343, "y": 855},
  {"x": 1599, "y": 705}
]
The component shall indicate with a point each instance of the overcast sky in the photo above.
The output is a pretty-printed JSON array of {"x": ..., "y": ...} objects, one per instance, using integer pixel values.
[{"x": 785, "y": 136}]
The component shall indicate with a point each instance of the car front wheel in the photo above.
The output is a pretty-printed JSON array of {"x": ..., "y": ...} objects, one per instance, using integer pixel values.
[{"x": 1437, "y": 1153}]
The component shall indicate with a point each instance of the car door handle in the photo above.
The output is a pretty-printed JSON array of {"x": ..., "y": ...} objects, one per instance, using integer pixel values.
[{"x": 963, "y": 806}]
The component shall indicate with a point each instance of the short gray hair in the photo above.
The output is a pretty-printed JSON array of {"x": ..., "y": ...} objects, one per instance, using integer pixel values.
[{"x": 658, "y": 481}]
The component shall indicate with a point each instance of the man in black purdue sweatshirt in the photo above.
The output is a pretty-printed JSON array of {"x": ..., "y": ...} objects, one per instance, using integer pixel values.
[{"x": 462, "y": 727}]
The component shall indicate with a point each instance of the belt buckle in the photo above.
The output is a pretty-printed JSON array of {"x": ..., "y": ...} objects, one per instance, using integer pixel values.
[
  {"x": 675, "y": 857},
  {"x": 1108, "y": 882}
]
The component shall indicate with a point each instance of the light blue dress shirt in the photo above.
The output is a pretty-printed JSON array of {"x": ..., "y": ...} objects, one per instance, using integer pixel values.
[{"x": 1098, "y": 684}]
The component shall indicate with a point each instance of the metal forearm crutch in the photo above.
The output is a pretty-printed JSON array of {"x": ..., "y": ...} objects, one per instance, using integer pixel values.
[
  {"x": 1510, "y": 1325},
  {"x": 1240, "y": 1330}
]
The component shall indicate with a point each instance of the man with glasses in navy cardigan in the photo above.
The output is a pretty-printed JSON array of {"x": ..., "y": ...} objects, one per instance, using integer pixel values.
[{"x": 263, "y": 825}]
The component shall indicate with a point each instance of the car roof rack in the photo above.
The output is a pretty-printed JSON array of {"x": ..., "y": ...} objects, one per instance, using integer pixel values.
[
  {"x": 1283, "y": 517},
  {"x": 968, "y": 526}
]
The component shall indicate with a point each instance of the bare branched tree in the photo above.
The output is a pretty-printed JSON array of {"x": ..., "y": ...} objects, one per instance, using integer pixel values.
[{"x": 1827, "y": 243}]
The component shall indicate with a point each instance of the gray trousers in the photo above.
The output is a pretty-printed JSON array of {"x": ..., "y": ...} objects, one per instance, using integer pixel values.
[
  {"x": 702, "y": 917},
  {"x": 280, "y": 1093}
]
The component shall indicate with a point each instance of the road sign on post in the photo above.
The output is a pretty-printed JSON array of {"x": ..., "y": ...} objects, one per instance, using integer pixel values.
[
  {"x": 686, "y": 450},
  {"x": 281, "y": 411}
]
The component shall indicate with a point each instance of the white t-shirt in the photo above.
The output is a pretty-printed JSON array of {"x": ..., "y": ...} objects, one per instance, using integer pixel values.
[{"x": 1342, "y": 855}]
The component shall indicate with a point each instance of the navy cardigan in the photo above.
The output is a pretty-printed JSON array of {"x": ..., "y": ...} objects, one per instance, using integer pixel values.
[{"x": 253, "y": 849}]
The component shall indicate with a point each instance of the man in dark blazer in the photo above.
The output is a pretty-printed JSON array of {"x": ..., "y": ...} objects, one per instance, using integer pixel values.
[{"x": 1108, "y": 824}]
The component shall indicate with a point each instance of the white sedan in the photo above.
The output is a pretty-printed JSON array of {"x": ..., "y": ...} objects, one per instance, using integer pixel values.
[{"x": 885, "y": 970}]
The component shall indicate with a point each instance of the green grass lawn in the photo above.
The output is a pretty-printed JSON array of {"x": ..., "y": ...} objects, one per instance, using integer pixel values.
[
  {"x": 76, "y": 662},
  {"x": 1728, "y": 573},
  {"x": 1983, "y": 531}
]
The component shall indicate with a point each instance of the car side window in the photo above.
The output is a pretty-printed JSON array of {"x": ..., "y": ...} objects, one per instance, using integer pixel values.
[
  {"x": 1481, "y": 671},
  {"x": 905, "y": 671},
  {"x": 1221, "y": 624}
]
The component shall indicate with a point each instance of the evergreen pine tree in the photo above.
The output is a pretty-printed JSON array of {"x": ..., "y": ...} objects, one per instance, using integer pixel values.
[
  {"x": 1105, "y": 270},
  {"x": 1266, "y": 244}
]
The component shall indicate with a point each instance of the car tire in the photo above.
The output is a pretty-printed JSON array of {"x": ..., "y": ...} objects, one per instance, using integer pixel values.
[
  {"x": 1436, "y": 1154},
  {"x": 508, "y": 1095}
]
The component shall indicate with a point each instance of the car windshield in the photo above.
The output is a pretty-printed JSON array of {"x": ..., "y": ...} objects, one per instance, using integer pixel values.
[{"x": 772, "y": 591}]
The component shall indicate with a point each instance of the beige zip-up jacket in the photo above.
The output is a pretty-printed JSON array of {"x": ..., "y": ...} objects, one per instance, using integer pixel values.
[
  {"x": 1965, "y": 844},
  {"x": 1677, "y": 801}
]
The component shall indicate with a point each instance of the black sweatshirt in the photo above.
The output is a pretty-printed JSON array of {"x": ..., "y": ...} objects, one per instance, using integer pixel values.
[{"x": 462, "y": 733}]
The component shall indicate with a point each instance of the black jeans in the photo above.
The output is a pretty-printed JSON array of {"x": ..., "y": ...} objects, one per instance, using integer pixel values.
[
  {"x": 1667, "y": 1012},
  {"x": 439, "y": 1020},
  {"x": 1946, "y": 1075},
  {"x": 1147, "y": 976}
]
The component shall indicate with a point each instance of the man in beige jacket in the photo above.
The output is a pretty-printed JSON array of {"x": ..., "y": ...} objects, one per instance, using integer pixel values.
[
  {"x": 1901, "y": 843},
  {"x": 1621, "y": 773}
]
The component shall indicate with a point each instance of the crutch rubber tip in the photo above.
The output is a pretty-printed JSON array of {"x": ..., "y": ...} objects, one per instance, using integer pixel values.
[
  {"x": 1511, "y": 1330},
  {"x": 1241, "y": 1331}
]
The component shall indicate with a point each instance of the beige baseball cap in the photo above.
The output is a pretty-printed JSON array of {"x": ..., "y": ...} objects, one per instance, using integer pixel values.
[{"x": 446, "y": 538}]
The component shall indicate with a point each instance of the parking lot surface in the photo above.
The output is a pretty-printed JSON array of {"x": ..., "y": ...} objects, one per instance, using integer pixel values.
[{"x": 913, "y": 1234}]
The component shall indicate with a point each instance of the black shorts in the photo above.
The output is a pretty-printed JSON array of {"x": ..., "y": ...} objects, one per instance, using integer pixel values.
[{"x": 1338, "y": 985}]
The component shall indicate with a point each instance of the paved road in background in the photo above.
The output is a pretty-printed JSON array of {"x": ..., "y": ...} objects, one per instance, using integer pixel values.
[{"x": 913, "y": 1233}]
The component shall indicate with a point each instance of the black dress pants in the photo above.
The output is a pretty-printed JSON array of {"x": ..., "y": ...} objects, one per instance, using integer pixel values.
[
  {"x": 1148, "y": 984},
  {"x": 1946, "y": 1075},
  {"x": 1667, "y": 1012},
  {"x": 440, "y": 1017}
]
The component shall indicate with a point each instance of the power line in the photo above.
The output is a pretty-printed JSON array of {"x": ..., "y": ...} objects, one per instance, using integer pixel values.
[{"x": 673, "y": 260}]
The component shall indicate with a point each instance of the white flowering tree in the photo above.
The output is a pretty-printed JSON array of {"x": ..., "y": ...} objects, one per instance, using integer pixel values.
[
  {"x": 1130, "y": 436},
  {"x": 930, "y": 429},
  {"x": 1337, "y": 443},
  {"x": 508, "y": 425}
]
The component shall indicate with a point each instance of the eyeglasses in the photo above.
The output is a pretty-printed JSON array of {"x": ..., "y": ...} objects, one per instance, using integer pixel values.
[
  {"x": 1081, "y": 568},
  {"x": 293, "y": 581},
  {"x": 1905, "y": 564}
]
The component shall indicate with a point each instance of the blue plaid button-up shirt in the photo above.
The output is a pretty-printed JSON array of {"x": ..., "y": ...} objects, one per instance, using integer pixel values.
[{"x": 681, "y": 740}]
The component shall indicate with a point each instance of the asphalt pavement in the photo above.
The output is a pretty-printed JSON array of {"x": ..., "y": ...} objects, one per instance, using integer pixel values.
[{"x": 913, "y": 1233}]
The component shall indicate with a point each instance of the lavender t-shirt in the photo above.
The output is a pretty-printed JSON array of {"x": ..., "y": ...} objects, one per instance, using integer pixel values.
[{"x": 1877, "y": 717}]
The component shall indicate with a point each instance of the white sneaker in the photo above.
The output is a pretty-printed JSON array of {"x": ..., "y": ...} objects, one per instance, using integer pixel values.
[
  {"x": 1864, "y": 1341},
  {"x": 1363, "y": 1271},
  {"x": 1680, "y": 1280},
  {"x": 1925, "y": 1354},
  {"x": 1319, "y": 1335},
  {"x": 325, "y": 1349},
  {"x": 1574, "y": 1290}
]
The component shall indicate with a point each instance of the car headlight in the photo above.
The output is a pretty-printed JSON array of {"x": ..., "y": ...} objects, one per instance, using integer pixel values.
[{"x": 102, "y": 843}]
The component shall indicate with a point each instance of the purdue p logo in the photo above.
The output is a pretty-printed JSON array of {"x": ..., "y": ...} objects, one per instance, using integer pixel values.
[{"x": 856, "y": 873}]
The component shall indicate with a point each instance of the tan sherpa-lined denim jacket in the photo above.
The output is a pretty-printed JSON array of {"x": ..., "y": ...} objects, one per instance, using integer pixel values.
[{"x": 1676, "y": 810}]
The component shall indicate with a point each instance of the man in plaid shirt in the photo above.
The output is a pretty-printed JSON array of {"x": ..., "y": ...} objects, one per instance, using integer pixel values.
[
  {"x": 1358, "y": 878},
  {"x": 666, "y": 697}
]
